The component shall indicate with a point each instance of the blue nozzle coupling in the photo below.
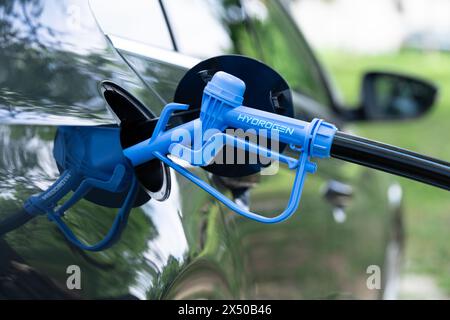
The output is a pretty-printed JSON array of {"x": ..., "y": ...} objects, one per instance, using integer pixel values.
[
  {"x": 223, "y": 93},
  {"x": 227, "y": 88},
  {"x": 322, "y": 138}
]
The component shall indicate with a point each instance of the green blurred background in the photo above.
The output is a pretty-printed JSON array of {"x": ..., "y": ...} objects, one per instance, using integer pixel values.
[
  {"x": 427, "y": 209},
  {"x": 352, "y": 37}
]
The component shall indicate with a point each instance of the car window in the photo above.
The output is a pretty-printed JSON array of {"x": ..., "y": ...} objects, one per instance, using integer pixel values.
[
  {"x": 207, "y": 28},
  {"x": 284, "y": 49},
  {"x": 137, "y": 20}
]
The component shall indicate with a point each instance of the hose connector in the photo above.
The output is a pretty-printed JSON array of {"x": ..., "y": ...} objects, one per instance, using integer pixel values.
[
  {"x": 223, "y": 93},
  {"x": 321, "y": 139}
]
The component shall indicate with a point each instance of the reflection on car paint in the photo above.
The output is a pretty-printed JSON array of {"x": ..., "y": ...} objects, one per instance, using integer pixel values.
[
  {"x": 169, "y": 243},
  {"x": 51, "y": 77}
]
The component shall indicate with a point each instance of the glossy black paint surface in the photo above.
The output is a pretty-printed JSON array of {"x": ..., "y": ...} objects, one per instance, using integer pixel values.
[{"x": 51, "y": 70}]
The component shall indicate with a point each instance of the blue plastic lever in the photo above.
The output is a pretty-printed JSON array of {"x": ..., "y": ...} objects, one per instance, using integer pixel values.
[
  {"x": 81, "y": 150},
  {"x": 219, "y": 140}
]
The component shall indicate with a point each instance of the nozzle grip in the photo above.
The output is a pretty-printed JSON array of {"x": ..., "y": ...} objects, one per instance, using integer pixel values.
[
  {"x": 40, "y": 204},
  {"x": 45, "y": 203},
  {"x": 114, "y": 232},
  {"x": 317, "y": 135}
]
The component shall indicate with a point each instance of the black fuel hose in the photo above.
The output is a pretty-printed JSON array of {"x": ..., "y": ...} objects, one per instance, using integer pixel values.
[
  {"x": 391, "y": 159},
  {"x": 14, "y": 221}
]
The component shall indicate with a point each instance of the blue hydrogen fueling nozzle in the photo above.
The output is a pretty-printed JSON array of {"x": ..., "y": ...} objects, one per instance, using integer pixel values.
[
  {"x": 222, "y": 108},
  {"x": 91, "y": 162},
  {"x": 94, "y": 165}
]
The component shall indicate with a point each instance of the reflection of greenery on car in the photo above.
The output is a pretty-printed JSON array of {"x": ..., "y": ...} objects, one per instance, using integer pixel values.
[
  {"x": 282, "y": 54},
  {"x": 427, "y": 209},
  {"x": 265, "y": 33}
]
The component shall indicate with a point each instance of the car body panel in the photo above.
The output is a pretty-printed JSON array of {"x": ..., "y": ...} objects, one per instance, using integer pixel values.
[
  {"x": 188, "y": 246},
  {"x": 53, "y": 80}
]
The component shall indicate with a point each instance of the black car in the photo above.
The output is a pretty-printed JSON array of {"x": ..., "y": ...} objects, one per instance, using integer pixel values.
[{"x": 101, "y": 63}]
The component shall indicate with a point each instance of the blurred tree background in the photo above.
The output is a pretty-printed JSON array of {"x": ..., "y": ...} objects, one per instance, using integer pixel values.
[{"x": 352, "y": 37}]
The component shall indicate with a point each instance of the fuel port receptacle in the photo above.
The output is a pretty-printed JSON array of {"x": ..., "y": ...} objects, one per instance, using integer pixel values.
[{"x": 137, "y": 123}]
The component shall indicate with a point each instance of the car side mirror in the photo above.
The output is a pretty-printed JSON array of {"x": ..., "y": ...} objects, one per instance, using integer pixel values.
[{"x": 391, "y": 96}]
